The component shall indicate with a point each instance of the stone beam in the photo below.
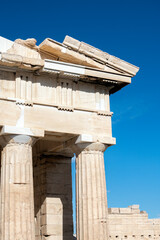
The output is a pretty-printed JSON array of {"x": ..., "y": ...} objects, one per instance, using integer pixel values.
[
  {"x": 76, "y": 123},
  {"x": 68, "y": 147},
  {"x": 82, "y": 71},
  {"x": 21, "y": 131}
]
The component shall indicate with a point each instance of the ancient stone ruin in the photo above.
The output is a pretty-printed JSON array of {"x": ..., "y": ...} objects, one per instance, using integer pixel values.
[{"x": 54, "y": 103}]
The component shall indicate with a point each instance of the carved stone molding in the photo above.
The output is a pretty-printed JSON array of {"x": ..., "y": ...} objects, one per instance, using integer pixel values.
[
  {"x": 25, "y": 103},
  {"x": 105, "y": 113},
  {"x": 66, "y": 108}
]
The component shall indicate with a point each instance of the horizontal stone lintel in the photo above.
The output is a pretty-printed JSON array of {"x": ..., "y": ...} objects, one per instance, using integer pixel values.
[
  {"x": 69, "y": 70},
  {"x": 6, "y": 129},
  {"x": 51, "y": 65},
  {"x": 59, "y": 107},
  {"x": 87, "y": 138},
  {"x": 83, "y": 138}
]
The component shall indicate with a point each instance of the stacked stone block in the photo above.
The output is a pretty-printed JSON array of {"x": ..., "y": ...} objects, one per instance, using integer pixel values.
[
  {"x": 53, "y": 198},
  {"x": 131, "y": 223}
]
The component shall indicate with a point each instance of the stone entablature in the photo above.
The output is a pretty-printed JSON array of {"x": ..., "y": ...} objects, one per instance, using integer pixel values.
[
  {"x": 54, "y": 90},
  {"x": 131, "y": 223}
]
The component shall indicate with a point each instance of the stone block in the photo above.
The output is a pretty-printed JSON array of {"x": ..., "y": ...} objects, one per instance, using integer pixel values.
[
  {"x": 11, "y": 57},
  {"x": 57, "y": 49},
  {"x": 134, "y": 226},
  {"x": 56, "y": 209},
  {"x": 57, "y": 178},
  {"x": 57, "y": 229},
  {"x": 24, "y": 51},
  {"x": 51, "y": 219},
  {"x": 53, "y": 209},
  {"x": 58, "y": 189},
  {"x": 58, "y": 238},
  {"x": 71, "y": 42},
  {"x": 56, "y": 219},
  {"x": 57, "y": 168},
  {"x": 113, "y": 210},
  {"x": 33, "y": 61},
  {"x": 135, "y": 206},
  {"x": 125, "y": 210},
  {"x": 135, "y": 211}
]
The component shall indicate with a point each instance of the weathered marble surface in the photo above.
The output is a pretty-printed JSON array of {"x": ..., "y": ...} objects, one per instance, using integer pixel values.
[
  {"x": 53, "y": 198},
  {"x": 91, "y": 193},
  {"x": 58, "y": 94},
  {"x": 131, "y": 223},
  {"x": 17, "y": 206}
]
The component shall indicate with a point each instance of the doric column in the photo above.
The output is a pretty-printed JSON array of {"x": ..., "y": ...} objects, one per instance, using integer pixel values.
[
  {"x": 17, "y": 207},
  {"x": 91, "y": 192}
]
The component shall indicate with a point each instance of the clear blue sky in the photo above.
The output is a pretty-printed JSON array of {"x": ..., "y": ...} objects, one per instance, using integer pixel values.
[{"x": 129, "y": 30}]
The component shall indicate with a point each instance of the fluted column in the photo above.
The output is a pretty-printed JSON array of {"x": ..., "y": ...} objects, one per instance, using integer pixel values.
[
  {"x": 17, "y": 207},
  {"x": 91, "y": 193}
]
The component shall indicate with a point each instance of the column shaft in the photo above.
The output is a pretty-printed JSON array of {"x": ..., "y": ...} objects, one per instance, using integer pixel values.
[
  {"x": 17, "y": 209},
  {"x": 91, "y": 196}
]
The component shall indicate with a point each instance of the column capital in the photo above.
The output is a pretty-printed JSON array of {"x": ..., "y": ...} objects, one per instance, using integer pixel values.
[
  {"x": 87, "y": 147},
  {"x": 17, "y": 187},
  {"x": 92, "y": 146},
  {"x": 16, "y": 139},
  {"x": 85, "y": 143},
  {"x": 18, "y": 135},
  {"x": 82, "y": 143}
]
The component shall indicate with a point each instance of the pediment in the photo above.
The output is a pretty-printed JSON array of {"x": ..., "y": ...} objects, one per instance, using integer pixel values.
[
  {"x": 76, "y": 52},
  {"x": 70, "y": 51},
  {"x": 71, "y": 57}
]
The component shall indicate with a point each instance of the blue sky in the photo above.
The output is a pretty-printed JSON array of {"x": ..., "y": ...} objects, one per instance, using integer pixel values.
[{"x": 129, "y": 30}]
